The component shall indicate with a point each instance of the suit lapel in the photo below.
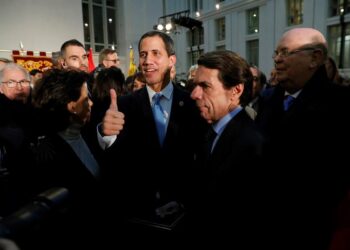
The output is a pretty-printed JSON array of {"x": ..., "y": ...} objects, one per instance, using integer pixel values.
[{"x": 228, "y": 137}]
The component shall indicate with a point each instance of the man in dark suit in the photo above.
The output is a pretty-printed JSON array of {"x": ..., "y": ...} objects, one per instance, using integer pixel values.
[
  {"x": 151, "y": 170},
  {"x": 311, "y": 128},
  {"x": 228, "y": 188}
]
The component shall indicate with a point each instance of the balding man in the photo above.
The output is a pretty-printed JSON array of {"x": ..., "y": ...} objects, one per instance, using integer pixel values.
[{"x": 304, "y": 119}]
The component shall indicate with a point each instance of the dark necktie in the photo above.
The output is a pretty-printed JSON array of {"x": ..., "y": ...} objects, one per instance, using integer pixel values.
[
  {"x": 211, "y": 135},
  {"x": 159, "y": 117},
  {"x": 288, "y": 101}
]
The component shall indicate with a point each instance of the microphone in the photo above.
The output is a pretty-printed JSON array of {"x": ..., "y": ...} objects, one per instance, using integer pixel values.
[{"x": 40, "y": 208}]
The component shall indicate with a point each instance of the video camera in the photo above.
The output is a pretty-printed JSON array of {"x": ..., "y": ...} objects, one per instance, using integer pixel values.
[{"x": 34, "y": 213}]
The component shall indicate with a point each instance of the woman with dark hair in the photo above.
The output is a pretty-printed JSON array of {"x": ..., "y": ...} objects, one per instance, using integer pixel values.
[
  {"x": 135, "y": 82},
  {"x": 63, "y": 158},
  {"x": 107, "y": 78}
]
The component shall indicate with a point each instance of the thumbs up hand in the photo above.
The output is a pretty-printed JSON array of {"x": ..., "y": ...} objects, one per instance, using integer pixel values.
[{"x": 113, "y": 121}]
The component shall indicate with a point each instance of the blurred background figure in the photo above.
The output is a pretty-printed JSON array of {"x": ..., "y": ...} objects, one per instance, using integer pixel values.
[
  {"x": 56, "y": 60},
  {"x": 259, "y": 85},
  {"x": 107, "y": 58},
  {"x": 192, "y": 71},
  {"x": 107, "y": 78},
  {"x": 333, "y": 72},
  {"x": 273, "y": 78},
  {"x": 36, "y": 74},
  {"x": 173, "y": 78},
  {"x": 3, "y": 61},
  {"x": 190, "y": 76},
  {"x": 135, "y": 82}
]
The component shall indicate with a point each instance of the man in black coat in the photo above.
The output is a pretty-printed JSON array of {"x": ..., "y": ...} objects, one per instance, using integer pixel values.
[
  {"x": 150, "y": 167},
  {"x": 227, "y": 210},
  {"x": 304, "y": 119}
]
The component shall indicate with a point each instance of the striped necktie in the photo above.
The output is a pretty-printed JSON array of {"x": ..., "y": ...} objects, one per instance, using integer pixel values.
[
  {"x": 288, "y": 101},
  {"x": 159, "y": 117}
]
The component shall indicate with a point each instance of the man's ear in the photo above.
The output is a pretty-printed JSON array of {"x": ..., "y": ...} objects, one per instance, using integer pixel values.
[
  {"x": 317, "y": 58},
  {"x": 71, "y": 107},
  {"x": 64, "y": 64},
  {"x": 172, "y": 61},
  {"x": 238, "y": 89}
]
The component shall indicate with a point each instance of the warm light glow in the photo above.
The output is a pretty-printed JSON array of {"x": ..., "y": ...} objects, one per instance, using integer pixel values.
[
  {"x": 341, "y": 10},
  {"x": 86, "y": 24},
  {"x": 160, "y": 27},
  {"x": 256, "y": 30},
  {"x": 198, "y": 14},
  {"x": 110, "y": 20},
  {"x": 168, "y": 26},
  {"x": 254, "y": 15},
  {"x": 217, "y": 6}
]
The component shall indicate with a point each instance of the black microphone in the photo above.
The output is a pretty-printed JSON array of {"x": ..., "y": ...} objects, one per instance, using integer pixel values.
[{"x": 40, "y": 208}]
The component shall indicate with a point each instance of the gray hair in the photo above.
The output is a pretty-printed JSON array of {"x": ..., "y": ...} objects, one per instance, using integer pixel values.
[{"x": 14, "y": 66}]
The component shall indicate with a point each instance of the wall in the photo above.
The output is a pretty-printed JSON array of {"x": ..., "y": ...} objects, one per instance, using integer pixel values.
[
  {"x": 41, "y": 25},
  {"x": 136, "y": 18}
]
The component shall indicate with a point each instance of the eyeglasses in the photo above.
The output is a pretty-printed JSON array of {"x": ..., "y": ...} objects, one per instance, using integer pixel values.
[
  {"x": 13, "y": 83},
  {"x": 115, "y": 60},
  {"x": 285, "y": 53}
]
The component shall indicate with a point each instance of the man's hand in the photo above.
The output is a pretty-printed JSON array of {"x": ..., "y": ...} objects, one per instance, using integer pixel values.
[{"x": 113, "y": 121}]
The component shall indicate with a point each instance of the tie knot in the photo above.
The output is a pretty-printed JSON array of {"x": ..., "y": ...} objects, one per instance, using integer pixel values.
[
  {"x": 156, "y": 98},
  {"x": 288, "y": 100}
]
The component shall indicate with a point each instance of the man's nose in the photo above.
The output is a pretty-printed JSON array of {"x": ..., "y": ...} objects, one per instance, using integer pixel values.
[{"x": 196, "y": 93}]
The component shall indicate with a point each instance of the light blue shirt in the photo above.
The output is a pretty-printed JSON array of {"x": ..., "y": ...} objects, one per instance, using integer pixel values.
[
  {"x": 220, "y": 125},
  {"x": 165, "y": 101}
]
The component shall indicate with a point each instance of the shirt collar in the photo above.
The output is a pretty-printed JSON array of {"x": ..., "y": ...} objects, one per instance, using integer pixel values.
[
  {"x": 221, "y": 124},
  {"x": 295, "y": 95},
  {"x": 167, "y": 91}
]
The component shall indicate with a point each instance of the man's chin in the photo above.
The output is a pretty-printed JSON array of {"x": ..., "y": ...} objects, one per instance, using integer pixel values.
[
  {"x": 85, "y": 69},
  {"x": 21, "y": 99},
  {"x": 205, "y": 117}
]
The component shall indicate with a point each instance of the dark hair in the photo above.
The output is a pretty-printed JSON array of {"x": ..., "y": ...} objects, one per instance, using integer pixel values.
[
  {"x": 72, "y": 42},
  {"x": 52, "y": 94},
  {"x": 130, "y": 80},
  {"x": 233, "y": 70},
  {"x": 33, "y": 72},
  {"x": 168, "y": 42},
  {"x": 106, "y": 79}
]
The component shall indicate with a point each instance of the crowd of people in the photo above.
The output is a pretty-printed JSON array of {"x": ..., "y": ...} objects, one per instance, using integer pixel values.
[{"x": 226, "y": 158}]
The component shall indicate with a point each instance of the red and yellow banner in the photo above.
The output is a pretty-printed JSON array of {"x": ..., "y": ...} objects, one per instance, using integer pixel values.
[
  {"x": 33, "y": 62},
  {"x": 30, "y": 62}
]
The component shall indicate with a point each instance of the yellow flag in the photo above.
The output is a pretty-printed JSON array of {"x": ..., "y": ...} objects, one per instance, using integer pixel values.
[{"x": 132, "y": 66}]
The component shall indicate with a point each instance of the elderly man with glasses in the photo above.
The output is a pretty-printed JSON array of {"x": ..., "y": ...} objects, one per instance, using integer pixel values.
[
  {"x": 15, "y": 82},
  {"x": 16, "y": 119},
  {"x": 304, "y": 121}
]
